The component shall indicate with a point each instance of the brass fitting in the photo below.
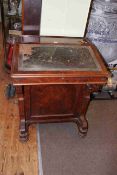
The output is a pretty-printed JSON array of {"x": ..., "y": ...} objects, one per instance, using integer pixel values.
[{"x": 111, "y": 84}]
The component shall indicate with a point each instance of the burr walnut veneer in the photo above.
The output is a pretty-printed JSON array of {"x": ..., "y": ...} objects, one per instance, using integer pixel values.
[{"x": 54, "y": 80}]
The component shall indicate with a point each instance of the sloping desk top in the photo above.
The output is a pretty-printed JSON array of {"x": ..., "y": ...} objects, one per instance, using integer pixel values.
[{"x": 58, "y": 63}]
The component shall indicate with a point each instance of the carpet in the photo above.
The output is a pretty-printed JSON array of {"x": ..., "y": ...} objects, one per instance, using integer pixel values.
[{"x": 63, "y": 152}]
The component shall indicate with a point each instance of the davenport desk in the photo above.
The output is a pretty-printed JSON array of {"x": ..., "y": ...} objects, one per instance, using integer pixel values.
[{"x": 55, "y": 77}]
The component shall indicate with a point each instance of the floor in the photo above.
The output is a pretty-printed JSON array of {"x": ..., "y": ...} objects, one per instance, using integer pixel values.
[
  {"x": 96, "y": 154},
  {"x": 15, "y": 158}
]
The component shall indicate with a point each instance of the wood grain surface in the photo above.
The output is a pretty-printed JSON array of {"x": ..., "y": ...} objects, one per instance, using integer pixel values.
[{"x": 16, "y": 158}]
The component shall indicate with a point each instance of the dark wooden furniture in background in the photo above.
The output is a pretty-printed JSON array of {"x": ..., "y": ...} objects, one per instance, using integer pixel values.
[{"x": 55, "y": 78}]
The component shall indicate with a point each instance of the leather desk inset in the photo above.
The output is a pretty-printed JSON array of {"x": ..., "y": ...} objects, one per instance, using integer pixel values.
[{"x": 59, "y": 57}]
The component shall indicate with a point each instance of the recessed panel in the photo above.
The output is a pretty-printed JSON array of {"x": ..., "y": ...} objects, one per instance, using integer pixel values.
[{"x": 52, "y": 99}]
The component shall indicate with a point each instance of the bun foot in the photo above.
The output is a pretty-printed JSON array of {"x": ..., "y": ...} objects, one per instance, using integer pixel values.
[
  {"x": 23, "y": 137},
  {"x": 82, "y": 124},
  {"x": 82, "y": 131}
]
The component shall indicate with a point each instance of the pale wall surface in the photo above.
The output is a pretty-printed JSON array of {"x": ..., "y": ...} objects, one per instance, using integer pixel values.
[{"x": 64, "y": 18}]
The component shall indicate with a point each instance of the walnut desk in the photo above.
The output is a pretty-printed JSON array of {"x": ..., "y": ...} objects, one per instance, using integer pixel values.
[{"x": 54, "y": 81}]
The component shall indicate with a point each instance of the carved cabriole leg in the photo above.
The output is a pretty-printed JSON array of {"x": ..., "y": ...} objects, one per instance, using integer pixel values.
[
  {"x": 27, "y": 106},
  {"x": 27, "y": 102},
  {"x": 83, "y": 98},
  {"x": 82, "y": 121},
  {"x": 23, "y": 127}
]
